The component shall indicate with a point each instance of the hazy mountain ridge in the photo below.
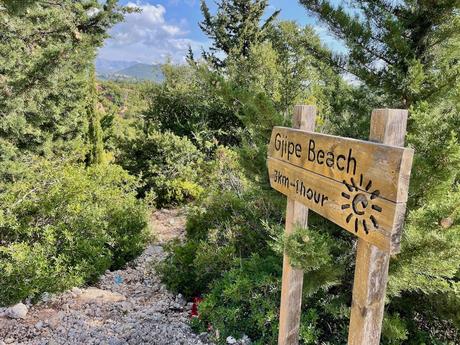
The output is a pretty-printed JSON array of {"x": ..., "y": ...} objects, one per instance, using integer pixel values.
[{"x": 128, "y": 70}]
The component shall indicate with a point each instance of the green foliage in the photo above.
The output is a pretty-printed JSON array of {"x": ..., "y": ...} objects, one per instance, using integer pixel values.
[
  {"x": 245, "y": 301},
  {"x": 62, "y": 225},
  {"x": 169, "y": 166},
  {"x": 222, "y": 227},
  {"x": 96, "y": 145},
  {"x": 191, "y": 267},
  {"x": 402, "y": 54},
  {"x": 122, "y": 107},
  {"x": 46, "y": 49},
  {"x": 406, "y": 55},
  {"x": 394, "y": 329},
  {"x": 187, "y": 105},
  {"x": 404, "y": 37},
  {"x": 308, "y": 249},
  {"x": 235, "y": 28}
]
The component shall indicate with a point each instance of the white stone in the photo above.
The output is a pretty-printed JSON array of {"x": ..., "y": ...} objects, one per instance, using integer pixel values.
[
  {"x": 18, "y": 311},
  {"x": 231, "y": 340},
  {"x": 245, "y": 340}
]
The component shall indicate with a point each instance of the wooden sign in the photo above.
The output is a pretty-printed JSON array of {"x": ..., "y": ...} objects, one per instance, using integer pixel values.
[{"x": 361, "y": 186}]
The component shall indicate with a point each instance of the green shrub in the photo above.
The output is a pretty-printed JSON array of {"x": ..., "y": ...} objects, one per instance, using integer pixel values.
[
  {"x": 245, "y": 301},
  {"x": 222, "y": 228},
  {"x": 190, "y": 267},
  {"x": 63, "y": 224},
  {"x": 169, "y": 166},
  {"x": 187, "y": 105}
]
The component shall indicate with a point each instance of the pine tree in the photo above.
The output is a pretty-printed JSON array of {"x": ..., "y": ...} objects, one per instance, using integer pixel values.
[
  {"x": 235, "y": 28},
  {"x": 394, "y": 46}
]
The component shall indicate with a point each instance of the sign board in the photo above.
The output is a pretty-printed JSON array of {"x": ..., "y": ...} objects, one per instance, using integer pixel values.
[{"x": 359, "y": 185}]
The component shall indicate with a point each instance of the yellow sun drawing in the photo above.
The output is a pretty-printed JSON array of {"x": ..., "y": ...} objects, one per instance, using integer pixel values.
[{"x": 360, "y": 201}]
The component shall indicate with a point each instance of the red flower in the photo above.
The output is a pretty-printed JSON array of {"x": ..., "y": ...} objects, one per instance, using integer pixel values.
[{"x": 196, "y": 302}]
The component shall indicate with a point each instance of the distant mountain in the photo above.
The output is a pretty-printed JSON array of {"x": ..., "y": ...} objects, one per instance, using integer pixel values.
[
  {"x": 142, "y": 71},
  {"x": 128, "y": 70},
  {"x": 104, "y": 66}
]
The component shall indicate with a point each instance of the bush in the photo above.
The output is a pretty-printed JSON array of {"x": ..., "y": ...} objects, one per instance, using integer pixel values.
[
  {"x": 224, "y": 227},
  {"x": 190, "y": 267},
  {"x": 245, "y": 301},
  {"x": 169, "y": 166},
  {"x": 187, "y": 104},
  {"x": 63, "y": 225}
]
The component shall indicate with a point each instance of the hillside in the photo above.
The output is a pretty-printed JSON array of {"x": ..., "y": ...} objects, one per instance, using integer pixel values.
[{"x": 128, "y": 70}]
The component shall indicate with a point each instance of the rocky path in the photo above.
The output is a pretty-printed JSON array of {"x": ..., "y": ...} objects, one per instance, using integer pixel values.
[{"x": 130, "y": 306}]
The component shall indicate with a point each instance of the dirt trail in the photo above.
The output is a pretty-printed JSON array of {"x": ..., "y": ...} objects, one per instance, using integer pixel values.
[{"x": 129, "y": 306}]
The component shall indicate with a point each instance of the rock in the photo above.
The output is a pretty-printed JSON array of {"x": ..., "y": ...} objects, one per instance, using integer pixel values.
[
  {"x": 231, "y": 340},
  {"x": 204, "y": 336},
  {"x": 245, "y": 340},
  {"x": 18, "y": 311},
  {"x": 55, "y": 320},
  {"x": 39, "y": 325},
  {"x": 98, "y": 295},
  {"x": 9, "y": 340},
  {"x": 181, "y": 300},
  {"x": 115, "y": 341},
  {"x": 45, "y": 297},
  {"x": 76, "y": 291}
]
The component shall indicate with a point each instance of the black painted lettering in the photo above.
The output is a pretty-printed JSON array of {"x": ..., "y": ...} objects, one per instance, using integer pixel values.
[
  {"x": 277, "y": 142},
  {"x": 311, "y": 150},
  {"x": 340, "y": 157},
  {"x": 317, "y": 197},
  {"x": 298, "y": 150},
  {"x": 320, "y": 156},
  {"x": 323, "y": 199},
  {"x": 290, "y": 149},
  {"x": 302, "y": 189},
  {"x": 330, "y": 159},
  {"x": 350, "y": 161}
]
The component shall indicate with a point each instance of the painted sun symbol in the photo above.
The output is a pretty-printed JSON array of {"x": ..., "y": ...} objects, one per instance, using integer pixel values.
[{"x": 360, "y": 200}]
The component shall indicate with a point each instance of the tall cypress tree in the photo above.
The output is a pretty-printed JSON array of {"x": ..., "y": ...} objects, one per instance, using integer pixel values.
[{"x": 96, "y": 144}]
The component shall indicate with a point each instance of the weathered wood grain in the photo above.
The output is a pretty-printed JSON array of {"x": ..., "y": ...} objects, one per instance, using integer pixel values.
[
  {"x": 292, "y": 282},
  {"x": 335, "y": 201},
  {"x": 344, "y": 159},
  {"x": 371, "y": 273}
]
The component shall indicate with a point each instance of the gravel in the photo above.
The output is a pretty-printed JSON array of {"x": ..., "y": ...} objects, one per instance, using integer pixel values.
[{"x": 129, "y": 306}]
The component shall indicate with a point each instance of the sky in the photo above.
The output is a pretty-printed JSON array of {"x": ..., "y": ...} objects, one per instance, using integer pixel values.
[{"x": 166, "y": 28}]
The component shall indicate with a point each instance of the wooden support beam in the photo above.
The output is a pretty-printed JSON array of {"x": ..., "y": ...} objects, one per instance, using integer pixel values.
[
  {"x": 388, "y": 126},
  {"x": 296, "y": 215}
]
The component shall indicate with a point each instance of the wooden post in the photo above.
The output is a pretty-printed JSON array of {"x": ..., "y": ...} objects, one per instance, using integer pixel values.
[
  {"x": 296, "y": 215},
  {"x": 388, "y": 126}
]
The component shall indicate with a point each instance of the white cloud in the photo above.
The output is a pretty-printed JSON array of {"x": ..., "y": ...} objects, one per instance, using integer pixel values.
[
  {"x": 329, "y": 40},
  {"x": 148, "y": 37}
]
